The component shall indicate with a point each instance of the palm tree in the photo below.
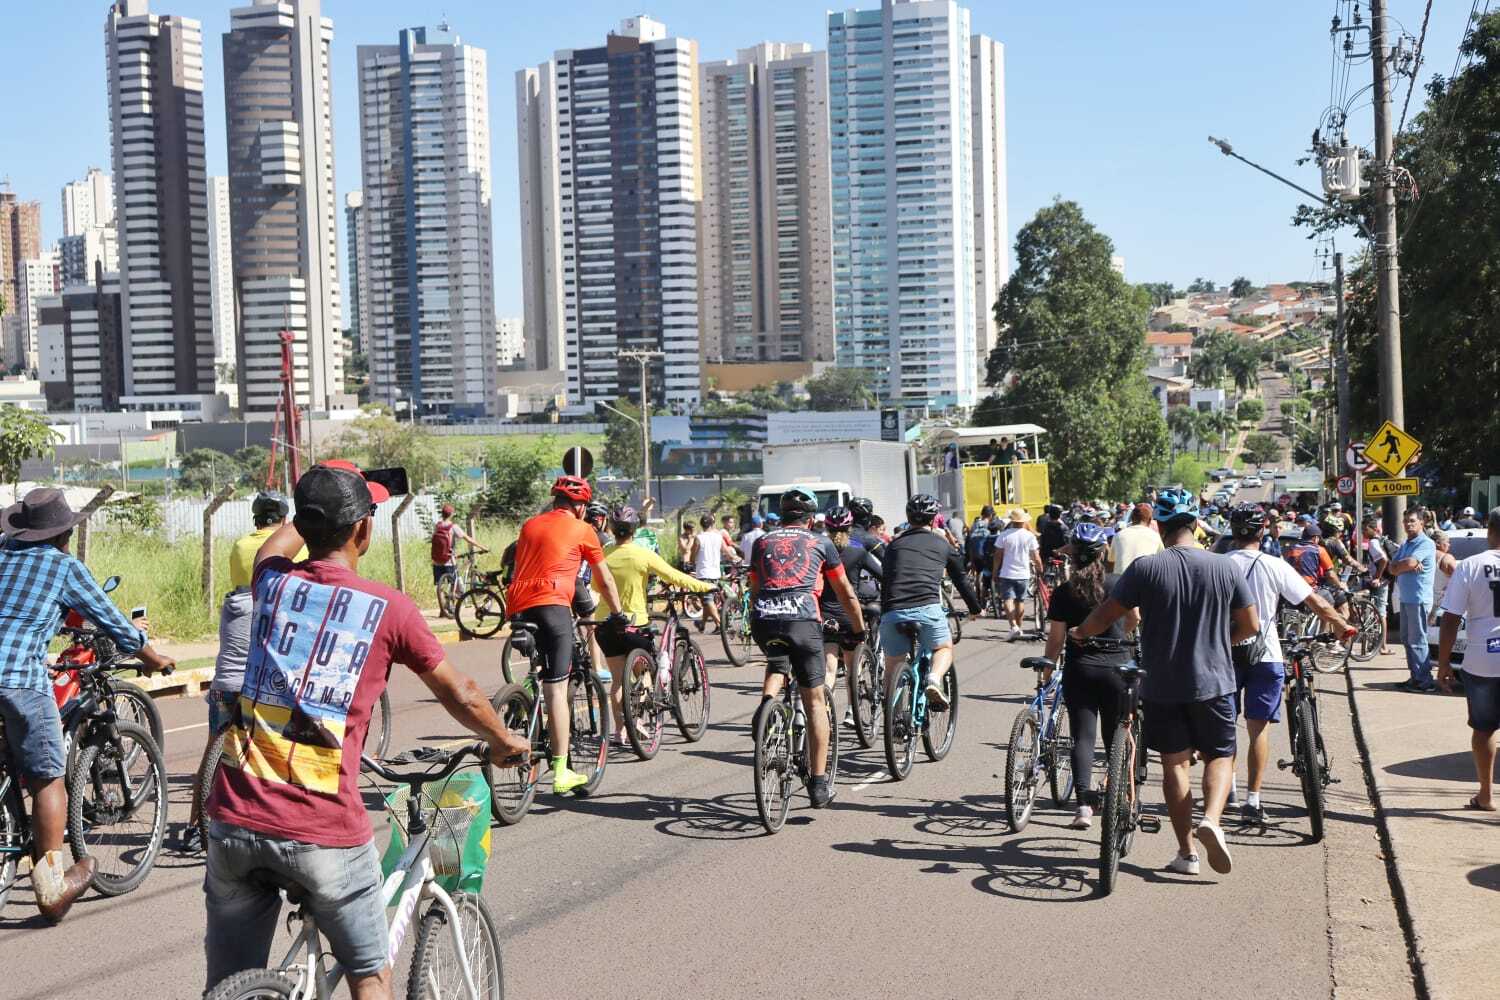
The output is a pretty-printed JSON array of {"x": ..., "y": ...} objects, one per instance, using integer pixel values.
[
  {"x": 1204, "y": 428},
  {"x": 1242, "y": 365},
  {"x": 1182, "y": 422},
  {"x": 1226, "y": 424}
]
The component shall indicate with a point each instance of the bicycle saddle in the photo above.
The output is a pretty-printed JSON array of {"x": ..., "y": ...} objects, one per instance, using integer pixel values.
[
  {"x": 911, "y": 629},
  {"x": 521, "y": 625},
  {"x": 1037, "y": 663}
]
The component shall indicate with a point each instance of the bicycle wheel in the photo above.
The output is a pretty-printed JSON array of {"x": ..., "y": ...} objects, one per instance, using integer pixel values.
[
  {"x": 690, "y": 690},
  {"x": 864, "y": 696},
  {"x": 436, "y": 968},
  {"x": 12, "y": 833},
  {"x": 514, "y": 664},
  {"x": 942, "y": 724},
  {"x": 955, "y": 623},
  {"x": 1039, "y": 604},
  {"x": 638, "y": 699},
  {"x": 204, "y": 782},
  {"x": 380, "y": 728},
  {"x": 257, "y": 984},
  {"x": 1115, "y": 820},
  {"x": 831, "y": 765},
  {"x": 117, "y": 811},
  {"x": 1309, "y": 765},
  {"x": 447, "y": 595},
  {"x": 734, "y": 631},
  {"x": 480, "y": 612},
  {"x": 1020, "y": 770},
  {"x": 774, "y": 769},
  {"x": 1060, "y": 758},
  {"x": 512, "y": 789},
  {"x": 1371, "y": 631},
  {"x": 588, "y": 735},
  {"x": 900, "y": 729},
  {"x": 132, "y": 703}
]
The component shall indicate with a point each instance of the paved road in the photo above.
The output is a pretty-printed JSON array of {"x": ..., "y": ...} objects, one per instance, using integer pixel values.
[{"x": 664, "y": 884}]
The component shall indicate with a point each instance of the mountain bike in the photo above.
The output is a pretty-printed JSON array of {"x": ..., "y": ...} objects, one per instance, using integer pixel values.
[
  {"x": 652, "y": 688},
  {"x": 1364, "y": 615},
  {"x": 1040, "y": 744},
  {"x": 457, "y": 951},
  {"x": 480, "y": 611},
  {"x": 867, "y": 682},
  {"x": 1125, "y": 776},
  {"x": 950, "y": 609},
  {"x": 734, "y": 618},
  {"x": 523, "y": 709},
  {"x": 781, "y": 752},
  {"x": 1309, "y": 755},
  {"x": 453, "y": 585},
  {"x": 907, "y": 712}
]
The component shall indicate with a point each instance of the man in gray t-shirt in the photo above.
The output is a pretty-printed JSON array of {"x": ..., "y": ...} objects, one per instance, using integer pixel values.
[{"x": 1193, "y": 605}]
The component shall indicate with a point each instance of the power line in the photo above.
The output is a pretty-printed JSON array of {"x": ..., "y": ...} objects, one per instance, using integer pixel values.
[{"x": 1416, "y": 67}]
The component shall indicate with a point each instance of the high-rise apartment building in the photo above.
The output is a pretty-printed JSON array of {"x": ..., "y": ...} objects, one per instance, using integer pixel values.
[
  {"x": 88, "y": 203},
  {"x": 221, "y": 270},
  {"x": 991, "y": 220},
  {"x": 357, "y": 291},
  {"x": 20, "y": 241},
  {"x": 82, "y": 255},
  {"x": 901, "y": 118},
  {"x": 40, "y": 277},
  {"x": 510, "y": 341},
  {"x": 82, "y": 346},
  {"x": 425, "y": 132},
  {"x": 610, "y": 172},
  {"x": 283, "y": 215},
  {"x": 765, "y": 267},
  {"x": 155, "y": 65}
]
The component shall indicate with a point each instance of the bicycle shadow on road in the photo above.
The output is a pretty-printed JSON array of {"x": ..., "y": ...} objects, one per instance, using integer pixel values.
[
  {"x": 1042, "y": 868},
  {"x": 730, "y": 816}
]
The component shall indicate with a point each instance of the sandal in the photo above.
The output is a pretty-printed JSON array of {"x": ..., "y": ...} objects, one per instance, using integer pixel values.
[{"x": 1474, "y": 806}]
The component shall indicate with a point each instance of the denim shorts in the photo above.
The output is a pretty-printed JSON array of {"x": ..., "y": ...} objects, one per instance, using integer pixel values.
[
  {"x": 1011, "y": 590},
  {"x": 34, "y": 731},
  {"x": 1259, "y": 694},
  {"x": 340, "y": 886},
  {"x": 1483, "y": 696},
  {"x": 220, "y": 708},
  {"x": 932, "y": 624}
]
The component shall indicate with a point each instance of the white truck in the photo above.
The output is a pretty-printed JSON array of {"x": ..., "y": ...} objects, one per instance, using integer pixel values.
[{"x": 834, "y": 471}]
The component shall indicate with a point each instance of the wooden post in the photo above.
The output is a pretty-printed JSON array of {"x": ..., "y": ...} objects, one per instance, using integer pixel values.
[
  {"x": 208, "y": 541},
  {"x": 83, "y": 526},
  {"x": 396, "y": 541}
]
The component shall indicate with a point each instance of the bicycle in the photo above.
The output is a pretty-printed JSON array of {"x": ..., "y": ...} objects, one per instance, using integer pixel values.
[
  {"x": 1309, "y": 755},
  {"x": 907, "y": 712},
  {"x": 472, "y": 969},
  {"x": 523, "y": 709},
  {"x": 453, "y": 585},
  {"x": 1040, "y": 743},
  {"x": 734, "y": 618},
  {"x": 480, "y": 611},
  {"x": 867, "y": 682},
  {"x": 781, "y": 752},
  {"x": 1364, "y": 615},
  {"x": 649, "y": 692},
  {"x": 1125, "y": 776},
  {"x": 955, "y": 619}
]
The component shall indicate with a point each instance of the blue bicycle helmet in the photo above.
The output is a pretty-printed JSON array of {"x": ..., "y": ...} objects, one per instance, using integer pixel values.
[
  {"x": 1088, "y": 535},
  {"x": 1175, "y": 505}
]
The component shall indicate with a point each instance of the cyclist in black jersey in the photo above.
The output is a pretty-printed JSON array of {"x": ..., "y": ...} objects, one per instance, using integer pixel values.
[
  {"x": 863, "y": 571},
  {"x": 862, "y": 510}
]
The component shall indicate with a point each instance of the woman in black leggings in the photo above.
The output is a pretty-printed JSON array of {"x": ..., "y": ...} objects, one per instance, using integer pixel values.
[{"x": 1092, "y": 686}]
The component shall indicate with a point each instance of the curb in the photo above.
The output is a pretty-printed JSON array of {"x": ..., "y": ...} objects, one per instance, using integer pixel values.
[{"x": 1377, "y": 791}]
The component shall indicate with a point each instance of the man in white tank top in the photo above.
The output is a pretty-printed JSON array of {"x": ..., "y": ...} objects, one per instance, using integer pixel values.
[{"x": 706, "y": 559}]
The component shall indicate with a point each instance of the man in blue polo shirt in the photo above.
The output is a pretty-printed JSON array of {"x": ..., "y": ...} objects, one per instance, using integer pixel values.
[{"x": 1413, "y": 567}]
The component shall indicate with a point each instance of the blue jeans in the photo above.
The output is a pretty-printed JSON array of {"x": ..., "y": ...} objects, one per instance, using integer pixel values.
[{"x": 1414, "y": 638}]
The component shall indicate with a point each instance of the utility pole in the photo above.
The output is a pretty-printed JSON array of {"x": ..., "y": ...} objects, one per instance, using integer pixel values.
[
  {"x": 1341, "y": 358},
  {"x": 644, "y": 359},
  {"x": 1388, "y": 267}
]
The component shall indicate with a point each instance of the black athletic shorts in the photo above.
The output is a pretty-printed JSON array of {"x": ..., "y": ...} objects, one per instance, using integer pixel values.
[
  {"x": 620, "y": 641},
  {"x": 1204, "y": 726},
  {"x": 794, "y": 648},
  {"x": 554, "y": 639}
]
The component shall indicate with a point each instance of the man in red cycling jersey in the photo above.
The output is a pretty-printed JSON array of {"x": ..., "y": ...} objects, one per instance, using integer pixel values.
[{"x": 549, "y": 551}]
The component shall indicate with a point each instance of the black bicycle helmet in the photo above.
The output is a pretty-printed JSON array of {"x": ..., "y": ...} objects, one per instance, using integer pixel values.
[
  {"x": 862, "y": 509},
  {"x": 839, "y": 519},
  {"x": 595, "y": 510},
  {"x": 269, "y": 507},
  {"x": 797, "y": 504},
  {"x": 1052, "y": 510},
  {"x": 1247, "y": 520},
  {"x": 624, "y": 519},
  {"x": 922, "y": 508}
]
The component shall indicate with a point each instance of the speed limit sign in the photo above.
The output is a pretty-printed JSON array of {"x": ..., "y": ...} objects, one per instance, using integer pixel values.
[{"x": 1346, "y": 485}]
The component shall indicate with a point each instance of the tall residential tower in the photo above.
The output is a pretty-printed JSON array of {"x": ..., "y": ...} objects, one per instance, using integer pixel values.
[{"x": 425, "y": 132}]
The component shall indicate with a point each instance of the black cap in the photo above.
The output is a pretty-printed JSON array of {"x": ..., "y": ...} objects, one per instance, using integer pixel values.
[{"x": 332, "y": 497}]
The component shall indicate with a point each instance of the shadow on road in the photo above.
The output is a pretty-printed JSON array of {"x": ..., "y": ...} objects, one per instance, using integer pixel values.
[
  {"x": 1487, "y": 877},
  {"x": 730, "y": 816},
  {"x": 1052, "y": 869},
  {"x": 1442, "y": 767}
]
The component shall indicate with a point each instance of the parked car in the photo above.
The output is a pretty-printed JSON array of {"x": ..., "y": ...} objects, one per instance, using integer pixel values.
[
  {"x": 1221, "y": 473},
  {"x": 1463, "y": 543},
  {"x": 1253, "y": 481}
]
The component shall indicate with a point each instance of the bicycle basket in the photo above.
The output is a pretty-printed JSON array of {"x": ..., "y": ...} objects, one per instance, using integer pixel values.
[{"x": 457, "y": 813}]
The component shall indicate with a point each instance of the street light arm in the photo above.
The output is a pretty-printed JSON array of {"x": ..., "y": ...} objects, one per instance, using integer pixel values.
[
  {"x": 1228, "y": 150},
  {"x": 611, "y": 409}
]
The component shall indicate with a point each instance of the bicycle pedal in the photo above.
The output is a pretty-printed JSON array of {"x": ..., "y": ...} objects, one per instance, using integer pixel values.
[
  {"x": 1149, "y": 824},
  {"x": 1284, "y": 764}
]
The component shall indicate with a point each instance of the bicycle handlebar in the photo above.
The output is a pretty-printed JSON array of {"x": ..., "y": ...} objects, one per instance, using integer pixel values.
[{"x": 450, "y": 760}]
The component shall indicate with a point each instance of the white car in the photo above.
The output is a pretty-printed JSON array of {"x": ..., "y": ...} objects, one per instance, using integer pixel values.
[
  {"x": 1253, "y": 481},
  {"x": 1462, "y": 542}
]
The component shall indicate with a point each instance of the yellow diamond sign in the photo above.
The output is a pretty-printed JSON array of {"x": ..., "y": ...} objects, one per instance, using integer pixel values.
[{"x": 1392, "y": 449}]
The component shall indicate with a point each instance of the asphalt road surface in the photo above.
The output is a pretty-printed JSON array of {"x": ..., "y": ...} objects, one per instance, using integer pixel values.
[{"x": 665, "y": 885}]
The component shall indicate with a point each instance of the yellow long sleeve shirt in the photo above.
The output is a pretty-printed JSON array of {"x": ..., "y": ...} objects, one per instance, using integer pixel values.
[{"x": 632, "y": 566}]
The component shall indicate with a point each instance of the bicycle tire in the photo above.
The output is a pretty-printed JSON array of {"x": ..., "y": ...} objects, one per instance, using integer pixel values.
[
  {"x": 1310, "y": 766},
  {"x": 1060, "y": 758},
  {"x": 380, "y": 726},
  {"x": 772, "y": 729},
  {"x": 639, "y": 705},
  {"x": 1020, "y": 768},
  {"x": 448, "y": 595},
  {"x": 132, "y": 703},
  {"x": 864, "y": 696},
  {"x": 900, "y": 733},
  {"x": 588, "y": 734},
  {"x": 691, "y": 690},
  {"x": 480, "y": 613},
  {"x": 734, "y": 629},
  {"x": 1371, "y": 631},
  {"x": 204, "y": 783},
  {"x": 98, "y": 767},
  {"x": 514, "y": 665},
  {"x": 831, "y": 765},
  {"x": 256, "y": 984},
  {"x": 13, "y": 835},
  {"x": 944, "y": 721},
  {"x": 1115, "y": 814},
  {"x": 481, "y": 945},
  {"x": 513, "y": 789}
]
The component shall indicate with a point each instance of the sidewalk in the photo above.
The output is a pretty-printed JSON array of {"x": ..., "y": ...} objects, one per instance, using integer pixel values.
[{"x": 1446, "y": 860}]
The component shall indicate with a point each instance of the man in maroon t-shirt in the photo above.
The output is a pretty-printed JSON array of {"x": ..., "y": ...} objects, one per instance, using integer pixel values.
[{"x": 286, "y": 798}]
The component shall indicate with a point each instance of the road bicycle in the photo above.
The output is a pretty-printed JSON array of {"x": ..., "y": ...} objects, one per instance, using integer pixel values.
[
  {"x": 1124, "y": 777},
  {"x": 867, "y": 682},
  {"x": 908, "y": 712},
  {"x": 523, "y": 708},
  {"x": 734, "y": 618},
  {"x": 459, "y": 580},
  {"x": 1041, "y": 744},
  {"x": 652, "y": 688},
  {"x": 480, "y": 611},
  {"x": 781, "y": 751},
  {"x": 457, "y": 950},
  {"x": 1309, "y": 755}
]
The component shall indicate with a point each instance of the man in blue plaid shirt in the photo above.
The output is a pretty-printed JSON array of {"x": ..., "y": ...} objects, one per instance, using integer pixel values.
[{"x": 39, "y": 581}]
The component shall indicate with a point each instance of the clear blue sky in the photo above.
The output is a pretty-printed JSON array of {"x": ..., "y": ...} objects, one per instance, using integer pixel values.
[{"x": 1108, "y": 103}]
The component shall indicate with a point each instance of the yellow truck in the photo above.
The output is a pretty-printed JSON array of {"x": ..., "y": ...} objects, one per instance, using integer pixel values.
[{"x": 999, "y": 466}]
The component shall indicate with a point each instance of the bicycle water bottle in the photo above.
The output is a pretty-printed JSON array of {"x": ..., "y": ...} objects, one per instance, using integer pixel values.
[{"x": 663, "y": 669}]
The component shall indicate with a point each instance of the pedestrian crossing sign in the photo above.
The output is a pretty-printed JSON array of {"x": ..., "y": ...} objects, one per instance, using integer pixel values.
[{"x": 1392, "y": 449}]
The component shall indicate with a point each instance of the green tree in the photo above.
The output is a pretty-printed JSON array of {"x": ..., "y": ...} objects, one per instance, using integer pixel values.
[
  {"x": 1162, "y": 293},
  {"x": 251, "y": 463},
  {"x": 383, "y": 441},
  {"x": 1242, "y": 366},
  {"x": 1295, "y": 409},
  {"x": 1250, "y": 411},
  {"x": 776, "y": 398},
  {"x": 1182, "y": 421},
  {"x": 1105, "y": 431},
  {"x": 622, "y": 438},
  {"x": 1203, "y": 285},
  {"x": 515, "y": 480},
  {"x": 841, "y": 389},
  {"x": 1261, "y": 449},
  {"x": 204, "y": 470},
  {"x": 24, "y": 435},
  {"x": 1241, "y": 287}
]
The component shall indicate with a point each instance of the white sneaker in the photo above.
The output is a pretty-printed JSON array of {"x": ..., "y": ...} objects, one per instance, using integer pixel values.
[
  {"x": 1212, "y": 839},
  {"x": 1015, "y": 633},
  {"x": 1082, "y": 819},
  {"x": 1184, "y": 865}
]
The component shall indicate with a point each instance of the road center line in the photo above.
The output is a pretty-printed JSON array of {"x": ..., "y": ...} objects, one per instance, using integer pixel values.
[
  {"x": 183, "y": 729},
  {"x": 878, "y": 776}
]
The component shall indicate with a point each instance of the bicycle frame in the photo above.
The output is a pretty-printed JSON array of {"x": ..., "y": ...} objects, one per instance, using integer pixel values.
[{"x": 1046, "y": 703}]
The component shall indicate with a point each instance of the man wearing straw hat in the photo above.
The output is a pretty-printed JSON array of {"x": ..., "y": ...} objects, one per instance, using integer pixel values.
[{"x": 1017, "y": 556}]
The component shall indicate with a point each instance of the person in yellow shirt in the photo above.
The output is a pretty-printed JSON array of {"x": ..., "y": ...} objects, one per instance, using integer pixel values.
[{"x": 632, "y": 566}]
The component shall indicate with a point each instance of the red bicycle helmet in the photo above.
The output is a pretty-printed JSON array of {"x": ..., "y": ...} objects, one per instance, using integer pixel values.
[{"x": 575, "y": 488}]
